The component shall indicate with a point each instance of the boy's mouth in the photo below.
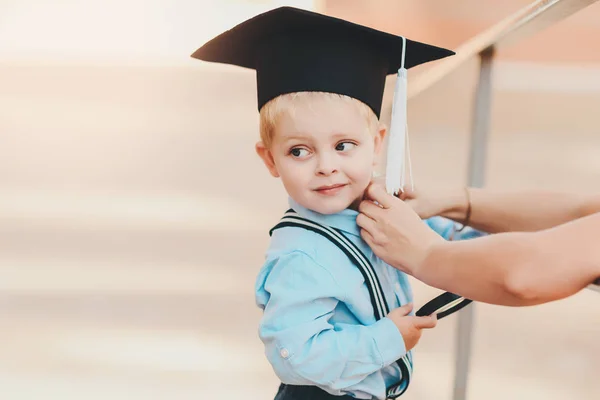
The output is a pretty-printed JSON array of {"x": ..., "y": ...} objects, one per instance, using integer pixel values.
[{"x": 330, "y": 189}]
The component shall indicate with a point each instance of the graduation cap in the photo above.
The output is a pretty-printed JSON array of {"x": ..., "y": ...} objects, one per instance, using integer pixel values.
[{"x": 294, "y": 50}]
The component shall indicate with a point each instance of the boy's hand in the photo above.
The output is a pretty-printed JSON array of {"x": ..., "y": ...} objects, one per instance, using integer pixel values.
[{"x": 410, "y": 326}]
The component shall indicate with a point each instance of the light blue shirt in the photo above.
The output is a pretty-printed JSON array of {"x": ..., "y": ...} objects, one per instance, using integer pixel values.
[{"x": 318, "y": 324}]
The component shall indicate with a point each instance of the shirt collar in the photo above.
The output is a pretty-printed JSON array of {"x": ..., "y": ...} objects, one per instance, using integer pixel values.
[{"x": 345, "y": 220}]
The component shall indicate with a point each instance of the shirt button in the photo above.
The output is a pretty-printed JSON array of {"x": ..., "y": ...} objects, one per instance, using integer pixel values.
[
  {"x": 397, "y": 286},
  {"x": 284, "y": 353}
]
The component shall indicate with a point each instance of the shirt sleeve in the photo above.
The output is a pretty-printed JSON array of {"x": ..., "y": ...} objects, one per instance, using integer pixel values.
[
  {"x": 300, "y": 342},
  {"x": 444, "y": 227}
]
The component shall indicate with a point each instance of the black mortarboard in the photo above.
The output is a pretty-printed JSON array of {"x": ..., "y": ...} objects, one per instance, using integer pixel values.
[{"x": 294, "y": 50}]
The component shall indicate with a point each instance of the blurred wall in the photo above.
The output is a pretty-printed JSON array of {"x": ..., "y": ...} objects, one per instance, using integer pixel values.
[{"x": 134, "y": 212}]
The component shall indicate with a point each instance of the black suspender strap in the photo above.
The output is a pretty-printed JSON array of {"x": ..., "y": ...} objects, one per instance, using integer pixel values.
[{"x": 443, "y": 305}]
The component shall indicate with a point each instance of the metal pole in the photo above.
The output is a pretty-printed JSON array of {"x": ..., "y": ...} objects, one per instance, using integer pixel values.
[{"x": 476, "y": 177}]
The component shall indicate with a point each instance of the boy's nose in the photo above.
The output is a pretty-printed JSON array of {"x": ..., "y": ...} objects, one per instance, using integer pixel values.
[{"x": 326, "y": 166}]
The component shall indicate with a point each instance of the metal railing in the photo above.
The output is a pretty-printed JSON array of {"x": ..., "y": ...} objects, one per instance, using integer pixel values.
[{"x": 527, "y": 21}]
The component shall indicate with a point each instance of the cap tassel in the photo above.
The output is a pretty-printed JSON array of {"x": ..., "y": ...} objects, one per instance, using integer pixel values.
[{"x": 398, "y": 151}]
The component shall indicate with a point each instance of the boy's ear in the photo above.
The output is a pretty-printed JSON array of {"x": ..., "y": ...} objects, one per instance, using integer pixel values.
[
  {"x": 379, "y": 138},
  {"x": 267, "y": 157}
]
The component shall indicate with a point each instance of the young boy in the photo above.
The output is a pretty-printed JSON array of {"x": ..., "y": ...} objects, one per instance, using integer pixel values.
[{"x": 327, "y": 326}]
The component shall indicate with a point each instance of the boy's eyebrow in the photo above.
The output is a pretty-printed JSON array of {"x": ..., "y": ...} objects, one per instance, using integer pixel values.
[
  {"x": 343, "y": 135},
  {"x": 294, "y": 136},
  {"x": 301, "y": 136}
]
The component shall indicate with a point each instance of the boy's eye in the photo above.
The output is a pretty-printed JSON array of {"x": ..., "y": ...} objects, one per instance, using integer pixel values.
[
  {"x": 345, "y": 146},
  {"x": 299, "y": 152}
]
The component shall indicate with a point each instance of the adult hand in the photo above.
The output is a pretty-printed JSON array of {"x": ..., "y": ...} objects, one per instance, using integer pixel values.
[
  {"x": 427, "y": 203},
  {"x": 431, "y": 203},
  {"x": 395, "y": 233}
]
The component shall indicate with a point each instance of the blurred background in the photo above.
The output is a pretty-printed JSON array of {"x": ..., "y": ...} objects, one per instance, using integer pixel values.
[{"x": 134, "y": 212}]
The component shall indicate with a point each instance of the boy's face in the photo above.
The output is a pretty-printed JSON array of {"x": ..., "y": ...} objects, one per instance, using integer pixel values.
[{"x": 324, "y": 154}]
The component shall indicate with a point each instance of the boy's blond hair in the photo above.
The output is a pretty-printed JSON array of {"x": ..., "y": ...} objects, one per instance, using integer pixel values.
[{"x": 272, "y": 111}]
